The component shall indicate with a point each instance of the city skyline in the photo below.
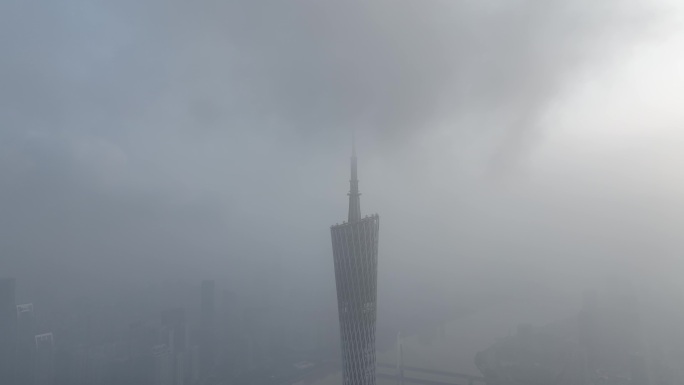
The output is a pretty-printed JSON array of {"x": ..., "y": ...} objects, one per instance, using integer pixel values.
[{"x": 170, "y": 171}]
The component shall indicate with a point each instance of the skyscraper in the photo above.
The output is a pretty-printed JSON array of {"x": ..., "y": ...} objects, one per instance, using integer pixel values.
[
  {"x": 163, "y": 365},
  {"x": 174, "y": 329},
  {"x": 355, "y": 254},
  {"x": 207, "y": 332},
  {"x": 400, "y": 360},
  {"x": 45, "y": 359},
  {"x": 8, "y": 331},
  {"x": 26, "y": 346},
  {"x": 229, "y": 335},
  {"x": 174, "y": 337}
]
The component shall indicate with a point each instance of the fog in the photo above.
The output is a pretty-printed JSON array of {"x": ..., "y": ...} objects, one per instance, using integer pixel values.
[{"x": 517, "y": 152}]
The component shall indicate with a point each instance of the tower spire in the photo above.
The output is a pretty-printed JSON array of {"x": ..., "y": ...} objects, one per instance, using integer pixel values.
[
  {"x": 353, "y": 143},
  {"x": 354, "y": 200}
]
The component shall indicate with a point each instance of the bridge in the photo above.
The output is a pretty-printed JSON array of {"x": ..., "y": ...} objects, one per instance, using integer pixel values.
[
  {"x": 412, "y": 375},
  {"x": 422, "y": 376}
]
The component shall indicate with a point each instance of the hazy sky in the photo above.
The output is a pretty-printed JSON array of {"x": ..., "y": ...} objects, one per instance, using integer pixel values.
[{"x": 508, "y": 146}]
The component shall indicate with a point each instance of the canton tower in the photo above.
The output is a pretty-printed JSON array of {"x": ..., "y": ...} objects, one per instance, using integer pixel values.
[{"x": 355, "y": 253}]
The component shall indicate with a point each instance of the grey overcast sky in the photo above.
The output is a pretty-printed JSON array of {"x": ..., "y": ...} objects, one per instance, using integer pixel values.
[{"x": 534, "y": 146}]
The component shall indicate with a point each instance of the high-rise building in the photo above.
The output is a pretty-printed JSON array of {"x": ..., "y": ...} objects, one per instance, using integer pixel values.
[
  {"x": 45, "y": 359},
  {"x": 175, "y": 330},
  {"x": 194, "y": 372},
  {"x": 175, "y": 338},
  {"x": 8, "y": 331},
  {"x": 355, "y": 254},
  {"x": 207, "y": 332},
  {"x": 26, "y": 347},
  {"x": 400, "y": 360},
  {"x": 141, "y": 338},
  {"x": 227, "y": 328},
  {"x": 163, "y": 365},
  {"x": 256, "y": 336}
]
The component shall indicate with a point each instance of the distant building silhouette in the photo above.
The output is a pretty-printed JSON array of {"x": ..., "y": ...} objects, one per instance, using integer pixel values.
[
  {"x": 26, "y": 347},
  {"x": 141, "y": 338},
  {"x": 355, "y": 254},
  {"x": 175, "y": 329},
  {"x": 207, "y": 332},
  {"x": 227, "y": 327},
  {"x": 400, "y": 360},
  {"x": 45, "y": 359},
  {"x": 8, "y": 331},
  {"x": 193, "y": 357},
  {"x": 175, "y": 338},
  {"x": 638, "y": 369},
  {"x": 163, "y": 365},
  {"x": 256, "y": 336}
]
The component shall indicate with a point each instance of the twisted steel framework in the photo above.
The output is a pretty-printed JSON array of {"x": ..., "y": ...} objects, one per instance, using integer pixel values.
[{"x": 355, "y": 254}]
